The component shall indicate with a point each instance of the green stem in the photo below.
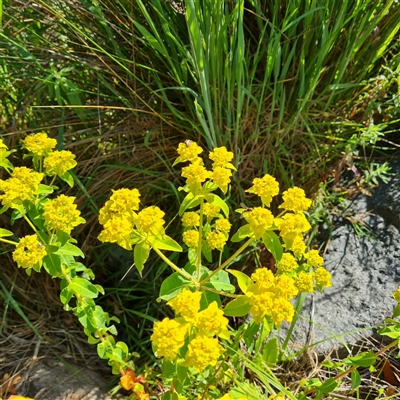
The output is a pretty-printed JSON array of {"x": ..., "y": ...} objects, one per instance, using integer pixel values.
[
  {"x": 200, "y": 240},
  {"x": 234, "y": 296},
  {"x": 53, "y": 180},
  {"x": 299, "y": 305},
  {"x": 228, "y": 261},
  {"x": 174, "y": 267},
  {"x": 8, "y": 241},
  {"x": 30, "y": 223}
]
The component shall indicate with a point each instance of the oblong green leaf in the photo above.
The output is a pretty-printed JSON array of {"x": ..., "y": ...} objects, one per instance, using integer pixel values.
[
  {"x": 5, "y": 232},
  {"x": 273, "y": 244},
  {"x": 140, "y": 255},
  {"x": 243, "y": 280},
  {"x": 238, "y": 307},
  {"x": 70, "y": 250},
  {"x": 242, "y": 233},
  {"x": 83, "y": 287},
  {"x": 165, "y": 243}
]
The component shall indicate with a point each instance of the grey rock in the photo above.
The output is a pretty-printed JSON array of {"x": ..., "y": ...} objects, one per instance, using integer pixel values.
[{"x": 365, "y": 271}]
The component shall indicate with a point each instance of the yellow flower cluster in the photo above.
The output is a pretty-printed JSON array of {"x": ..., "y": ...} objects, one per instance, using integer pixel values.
[
  {"x": 150, "y": 220},
  {"x": 196, "y": 173},
  {"x": 168, "y": 338},
  {"x": 260, "y": 219},
  {"x": 266, "y": 187},
  {"x": 39, "y": 144},
  {"x": 29, "y": 252},
  {"x": 191, "y": 238},
  {"x": 294, "y": 199},
  {"x": 287, "y": 263},
  {"x": 211, "y": 210},
  {"x": 61, "y": 213},
  {"x": 59, "y": 162},
  {"x": 270, "y": 296},
  {"x": 216, "y": 240},
  {"x": 22, "y": 185},
  {"x": 118, "y": 217},
  {"x": 190, "y": 219},
  {"x": 203, "y": 348}
]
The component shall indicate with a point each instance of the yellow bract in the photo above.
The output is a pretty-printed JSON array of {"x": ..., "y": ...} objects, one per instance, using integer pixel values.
[
  {"x": 28, "y": 252},
  {"x": 59, "y": 162},
  {"x": 266, "y": 187}
]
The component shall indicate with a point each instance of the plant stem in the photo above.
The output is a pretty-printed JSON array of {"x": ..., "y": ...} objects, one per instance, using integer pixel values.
[
  {"x": 29, "y": 222},
  {"x": 228, "y": 261},
  {"x": 174, "y": 267},
  {"x": 200, "y": 240},
  {"x": 8, "y": 241}
]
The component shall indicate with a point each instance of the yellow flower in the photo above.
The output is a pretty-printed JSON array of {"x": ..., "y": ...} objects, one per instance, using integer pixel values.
[
  {"x": 212, "y": 320},
  {"x": 396, "y": 295},
  {"x": 266, "y": 187},
  {"x": 122, "y": 204},
  {"x": 263, "y": 277},
  {"x": 186, "y": 304},
  {"x": 314, "y": 259},
  {"x": 304, "y": 282},
  {"x": 59, "y": 162},
  {"x": 287, "y": 263},
  {"x": 285, "y": 287},
  {"x": 292, "y": 225},
  {"x": 281, "y": 310},
  {"x": 22, "y": 185},
  {"x": 221, "y": 157},
  {"x": 188, "y": 151},
  {"x": 3, "y": 148},
  {"x": 223, "y": 225},
  {"x": 216, "y": 240},
  {"x": 190, "y": 219},
  {"x": 210, "y": 210},
  {"x": 150, "y": 219},
  {"x": 28, "y": 252},
  {"x": 203, "y": 351},
  {"x": 295, "y": 200},
  {"x": 39, "y": 144},
  {"x": 261, "y": 305},
  {"x": 322, "y": 278},
  {"x": 61, "y": 213},
  {"x": 117, "y": 230},
  {"x": 168, "y": 337},
  {"x": 260, "y": 219},
  {"x": 298, "y": 246},
  {"x": 191, "y": 238},
  {"x": 195, "y": 174},
  {"x": 222, "y": 178}
]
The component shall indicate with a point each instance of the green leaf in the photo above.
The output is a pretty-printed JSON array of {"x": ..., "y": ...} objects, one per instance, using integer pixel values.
[
  {"x": 250, "y": 334},
  {"x": 273, "y": 244},
  {"x": 5, "y": 232},
  {"x": 220, "y": 282},
  {"x": 328, "y": 386},
  {"x": 70, "y": 250},
  {"x": 364, "y": 359},
  {"x": 140, "y": 255},
  {"x": 52, "y": 265},
  {"x": 355, "y": 379},
  {"x": 391, "y": 331},
  {"x": 238, "y": 307},
  {"x": 44, "y": 189},
  {"x": 189, "y": 201},
  {"x": 396, "y": 311},
  {"x": 243, "y": 280},
  {"x": 83, "y": 287},
  {"x": 165, "y": 243},
  {"x": 67, "y": 177},
  {"x": 209, "y": 297},
  {"x": 65, "y": 297},
  {"x": 242, "y": 233},
  {"x": 206, "y": 251},
  {"x": 173, "y": 285},
  {"x": 270, "y": 352},
  {"x": 217, "y": 201}
]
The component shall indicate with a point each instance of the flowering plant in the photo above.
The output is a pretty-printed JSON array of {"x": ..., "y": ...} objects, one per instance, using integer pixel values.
[{"x": 198, "y": 340}]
